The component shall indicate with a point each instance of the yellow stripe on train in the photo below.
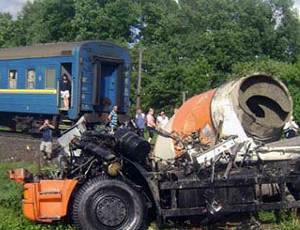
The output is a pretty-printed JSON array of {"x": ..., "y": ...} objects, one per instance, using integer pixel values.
[{"x": 28, "y": 91}]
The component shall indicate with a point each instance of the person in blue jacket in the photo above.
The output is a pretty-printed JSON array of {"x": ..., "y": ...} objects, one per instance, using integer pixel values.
[{"x": 140, "y": 120}]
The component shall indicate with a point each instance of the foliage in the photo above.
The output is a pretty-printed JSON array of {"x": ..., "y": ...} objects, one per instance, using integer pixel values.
[
  {"x": 6, "y": 29},
  {"x": 219, "y": 33},
  {"x": 291, "y": 223},
  {"x": 46, "y": 21},
  {"x": 286, "y": 220},
  {"x": 267, "y": 217},
  {"x": 174, "y": 80},
  {"x": 105, "y": 20}
]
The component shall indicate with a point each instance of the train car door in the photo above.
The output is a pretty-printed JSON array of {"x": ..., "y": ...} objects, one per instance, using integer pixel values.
[
  {"x": 106, "y": 83},
  {"x": 66, "y": 69}
]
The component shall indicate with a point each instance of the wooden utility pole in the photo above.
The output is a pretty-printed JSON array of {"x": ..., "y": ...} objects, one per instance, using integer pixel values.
[
  {"x": 138, "y": 90},
  {"x": 184, "y": 96}
]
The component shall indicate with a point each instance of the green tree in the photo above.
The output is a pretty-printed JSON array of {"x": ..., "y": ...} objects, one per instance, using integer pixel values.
[
  {"x": 105, "y": 20},
  {"x": 46, "y": 21},
  {"x": 7, "y": 30},
  {"x": 223, "y": 32},
  {"x": 85, "y": 20}
]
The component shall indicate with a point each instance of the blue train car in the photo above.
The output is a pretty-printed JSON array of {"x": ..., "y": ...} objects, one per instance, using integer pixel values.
[{"x": 99, "y": 73}]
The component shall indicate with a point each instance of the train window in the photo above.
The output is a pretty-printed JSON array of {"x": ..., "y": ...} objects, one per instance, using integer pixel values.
[
  {"x": 30, "y": 84},
  {"x": 50, "y": 78},
  {"x": 12, "y": 79}
]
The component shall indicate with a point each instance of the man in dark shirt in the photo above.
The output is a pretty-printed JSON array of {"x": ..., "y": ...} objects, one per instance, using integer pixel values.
[
  {"x": 65, "y": 91},
  {"x": 46, "y": 144}
]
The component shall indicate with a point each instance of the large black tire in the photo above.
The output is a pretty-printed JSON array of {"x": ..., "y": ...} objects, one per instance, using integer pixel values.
[{"x": 108, "y": 204}]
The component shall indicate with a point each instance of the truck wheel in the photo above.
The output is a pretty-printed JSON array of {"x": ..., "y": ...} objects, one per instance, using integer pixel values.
[{"x": 108, "y": 204}]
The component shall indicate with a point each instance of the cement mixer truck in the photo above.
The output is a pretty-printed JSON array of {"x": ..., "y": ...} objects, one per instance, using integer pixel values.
[{"x": 220, "y": 154}]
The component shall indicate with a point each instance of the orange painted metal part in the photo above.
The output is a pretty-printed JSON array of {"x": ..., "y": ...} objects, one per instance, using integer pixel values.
[
  {"x": 194, "y": 114},
  {"x": 47, "y": 200},
  {"x": 18, "y": 175}
]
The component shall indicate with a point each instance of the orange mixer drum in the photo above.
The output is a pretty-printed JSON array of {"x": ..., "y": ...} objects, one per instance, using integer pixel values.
[
  {"x": 255, "y": 106},
  {"x": 194, "y": 114}
]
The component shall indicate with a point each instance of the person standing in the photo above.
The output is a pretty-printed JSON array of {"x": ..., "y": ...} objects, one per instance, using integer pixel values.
[
  {"x": 150, "y": 121},
  {"x": 140, "y": 122},
  {"x": 65, "y": 91},
  {"x": 46, "y": 144},
  {"x": 290, "y": 128},
  {"x": 113, "y": 119},
  {"x": 162, "y": 120}
]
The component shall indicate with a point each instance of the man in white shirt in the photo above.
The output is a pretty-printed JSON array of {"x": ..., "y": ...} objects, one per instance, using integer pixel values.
[
  {"x": 290, "y": 128},
  {"x": 162, "y": 120}
]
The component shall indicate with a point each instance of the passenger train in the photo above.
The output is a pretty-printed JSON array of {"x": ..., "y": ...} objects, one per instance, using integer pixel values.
[{"x": 98, "y": 71}]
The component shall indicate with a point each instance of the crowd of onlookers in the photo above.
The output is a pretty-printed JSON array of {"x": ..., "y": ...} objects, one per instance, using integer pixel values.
[
  {"x": 149, "y": 122},
  {"x": 144, "y": 123}
]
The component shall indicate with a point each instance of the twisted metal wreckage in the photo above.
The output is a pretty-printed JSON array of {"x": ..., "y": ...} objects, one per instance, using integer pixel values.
[{"x": 220, "y": 154}]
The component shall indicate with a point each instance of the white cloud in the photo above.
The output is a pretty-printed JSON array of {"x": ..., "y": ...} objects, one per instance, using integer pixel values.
[
  {"x": 12, "y": 6},
  {"x": 297, "y": 4}
]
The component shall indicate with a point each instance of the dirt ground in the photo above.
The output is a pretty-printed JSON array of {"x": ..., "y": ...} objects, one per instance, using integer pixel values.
[{"x": 17, "y": 148}]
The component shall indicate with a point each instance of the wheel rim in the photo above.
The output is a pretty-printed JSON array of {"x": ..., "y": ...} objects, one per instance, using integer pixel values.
[{"x": 111, "y": 211}]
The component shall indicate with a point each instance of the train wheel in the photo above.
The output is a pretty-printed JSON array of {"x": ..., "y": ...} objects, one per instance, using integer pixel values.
[{"x": 108, "y": 204}]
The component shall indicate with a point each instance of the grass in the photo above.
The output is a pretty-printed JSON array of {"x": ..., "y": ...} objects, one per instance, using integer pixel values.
[
  {"x": 283, "y": 221},
  {"x": 11, "y": 216}
]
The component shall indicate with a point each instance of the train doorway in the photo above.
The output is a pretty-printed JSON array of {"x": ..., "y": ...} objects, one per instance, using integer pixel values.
[
  {"x": 108, "y": 77},
  {"x": 65, "y": 86}
]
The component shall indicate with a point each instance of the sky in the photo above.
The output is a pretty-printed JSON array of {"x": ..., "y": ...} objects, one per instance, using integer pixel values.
[
  {"x": 14, "y": 6},
  {"x": 297, "y": 4}
]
